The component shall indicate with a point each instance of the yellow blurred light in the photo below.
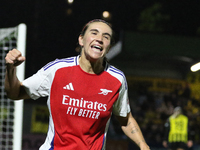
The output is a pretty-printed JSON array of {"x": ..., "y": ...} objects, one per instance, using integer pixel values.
[{"x": 69, "y": 11}]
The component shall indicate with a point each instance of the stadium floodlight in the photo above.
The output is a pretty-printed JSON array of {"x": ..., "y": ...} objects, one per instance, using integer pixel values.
[
  {"x": 106, "y": 14},
  {"x": 70, "y": 1},
  {"x": 195, "y": 67}
]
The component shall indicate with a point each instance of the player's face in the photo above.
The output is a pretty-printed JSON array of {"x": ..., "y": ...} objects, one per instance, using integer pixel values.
[{"x": 96, "y": 41}]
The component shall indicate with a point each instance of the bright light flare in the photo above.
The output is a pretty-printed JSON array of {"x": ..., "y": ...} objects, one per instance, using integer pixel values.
[
  {"x": 195, "y": 67},
  {"x": 70, "y": 1},
  {"x": 106, "y": 14}
]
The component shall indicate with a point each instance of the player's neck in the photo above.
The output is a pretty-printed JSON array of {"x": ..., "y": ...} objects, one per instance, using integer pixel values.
[{"x": 91, "y": 67}]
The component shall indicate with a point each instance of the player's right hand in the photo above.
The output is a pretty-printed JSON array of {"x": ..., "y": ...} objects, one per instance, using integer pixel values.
[{"x": 14, "y": 58}]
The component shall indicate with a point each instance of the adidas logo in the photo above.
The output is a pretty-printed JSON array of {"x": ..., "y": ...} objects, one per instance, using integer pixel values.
[{"x": 69, "y": 87}]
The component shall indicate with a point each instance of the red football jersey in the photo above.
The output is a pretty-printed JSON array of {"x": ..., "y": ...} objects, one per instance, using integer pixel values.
[{"x": 80, "y": 104}]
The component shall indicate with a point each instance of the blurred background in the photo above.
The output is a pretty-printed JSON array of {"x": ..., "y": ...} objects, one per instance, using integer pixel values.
[{"x": 158, "y": 42}]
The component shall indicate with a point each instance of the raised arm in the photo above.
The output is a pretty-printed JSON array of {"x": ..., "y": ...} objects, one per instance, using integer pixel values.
[
  {"x": 13, "y": 86},
  {"x": 131, "y": 128}
]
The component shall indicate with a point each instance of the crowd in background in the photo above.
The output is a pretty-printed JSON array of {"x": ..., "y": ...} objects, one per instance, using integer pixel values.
[{"x": 152, "y": 109}]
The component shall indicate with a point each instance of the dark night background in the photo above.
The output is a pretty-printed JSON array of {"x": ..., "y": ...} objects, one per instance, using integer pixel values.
[{"x": 51, "y": 33}]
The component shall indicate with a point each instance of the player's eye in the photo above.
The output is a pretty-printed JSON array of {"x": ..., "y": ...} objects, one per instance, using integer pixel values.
[
  {"x": 106, "y": 37},
  {"x": 94, "y": 33}
]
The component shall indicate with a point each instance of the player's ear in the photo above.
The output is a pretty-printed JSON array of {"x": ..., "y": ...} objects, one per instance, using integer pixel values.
[{"x": 80, "y": 40}]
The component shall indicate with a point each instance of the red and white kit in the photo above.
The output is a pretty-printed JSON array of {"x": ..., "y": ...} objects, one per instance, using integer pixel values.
[{"x": 80, "y": 104}]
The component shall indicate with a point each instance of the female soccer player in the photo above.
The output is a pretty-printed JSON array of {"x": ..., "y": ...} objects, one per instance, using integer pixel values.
[{"x": 83, "y": 92}]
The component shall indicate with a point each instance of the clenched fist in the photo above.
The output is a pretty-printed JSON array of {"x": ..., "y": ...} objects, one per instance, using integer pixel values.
[{"x": 14, "y": 58}]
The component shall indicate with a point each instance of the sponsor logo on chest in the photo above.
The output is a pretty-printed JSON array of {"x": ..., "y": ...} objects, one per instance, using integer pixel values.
[{"x": 82, "y": 107}]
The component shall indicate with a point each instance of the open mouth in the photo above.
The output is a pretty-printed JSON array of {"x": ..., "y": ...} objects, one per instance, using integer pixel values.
[{"x": 97, "y": 47}]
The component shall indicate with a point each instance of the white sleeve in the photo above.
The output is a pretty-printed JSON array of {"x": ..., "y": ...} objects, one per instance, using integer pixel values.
[
  {"x": 121, "y": 107},
  {"x": 38, "y": 85}
]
